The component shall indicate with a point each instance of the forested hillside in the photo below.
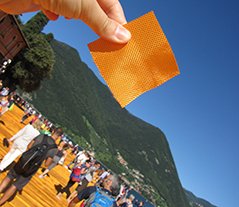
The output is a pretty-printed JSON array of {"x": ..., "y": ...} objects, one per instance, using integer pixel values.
[
  {"x": 77, "y": 100},
  {"x": 197, "y": 202}
]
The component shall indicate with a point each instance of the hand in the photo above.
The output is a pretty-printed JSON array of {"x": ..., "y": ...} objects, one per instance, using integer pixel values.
[{"x": 105, "y": 17}]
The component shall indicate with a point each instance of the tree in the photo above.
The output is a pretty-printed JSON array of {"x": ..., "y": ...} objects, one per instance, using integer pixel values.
[
  {"x": 36, "y": 63},
  {"x": 35, "y": 25}
]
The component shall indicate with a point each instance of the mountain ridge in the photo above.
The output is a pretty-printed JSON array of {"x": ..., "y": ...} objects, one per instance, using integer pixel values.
[
  {"x": 88, "y": 109},
  {"x": 196, "y": 201}
]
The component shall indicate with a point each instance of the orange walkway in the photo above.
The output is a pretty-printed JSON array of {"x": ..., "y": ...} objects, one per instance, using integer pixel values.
[{"x": 39, "y": 192}]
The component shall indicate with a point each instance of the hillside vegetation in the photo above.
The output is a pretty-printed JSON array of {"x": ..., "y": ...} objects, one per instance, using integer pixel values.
[
  {"x": 197, "y": 202},
  {"x": 77, "y": 100}
]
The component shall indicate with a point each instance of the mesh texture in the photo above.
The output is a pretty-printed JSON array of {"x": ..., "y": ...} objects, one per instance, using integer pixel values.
[{"x": 145, "y": 62}]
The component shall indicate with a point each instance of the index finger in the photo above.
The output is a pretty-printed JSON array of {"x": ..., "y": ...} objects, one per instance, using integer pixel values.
[{"x": 113, "y": 10}]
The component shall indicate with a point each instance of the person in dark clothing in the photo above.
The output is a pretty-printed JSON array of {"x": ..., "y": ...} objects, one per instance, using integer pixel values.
[
  {"x": 83, "y": 169},
  {"x": 27, "y": 114},
  {"x": 110, "y": 185},
  {"x": 86, "y": 179},
  {"x": 128, "y": 202},
  {"x": 62, "y": 148},
  {"x": 19, "y": 180}
]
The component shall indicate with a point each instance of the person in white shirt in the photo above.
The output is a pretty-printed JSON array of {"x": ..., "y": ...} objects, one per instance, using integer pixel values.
[
  {"x": 104, "y": 175},
  {"x": 80, "y": 157},
  {"x": 20, "y": 142},
  {"x": 4, "y": 91}
]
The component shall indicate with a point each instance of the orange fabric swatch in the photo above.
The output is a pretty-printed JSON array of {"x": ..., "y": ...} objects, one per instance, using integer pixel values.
[{"x": 142, "y": 64}]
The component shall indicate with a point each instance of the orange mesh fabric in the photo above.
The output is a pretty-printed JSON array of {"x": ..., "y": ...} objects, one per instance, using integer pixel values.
[{"x": 144, "y": 63}]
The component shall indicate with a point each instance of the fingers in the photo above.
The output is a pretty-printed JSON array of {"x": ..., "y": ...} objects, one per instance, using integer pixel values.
[
  {"x": 50, "y": 15},
  {"x": 105, "y": 17},
  {"x": 108, "y": 28},
  {"x": 113, "y": 10},
  {"x": 94, "y": 15},
  {"x": 18, "y": 6}
]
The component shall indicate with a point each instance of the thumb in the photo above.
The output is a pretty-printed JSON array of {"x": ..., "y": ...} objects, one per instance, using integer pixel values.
[
  {"x": 95, "y": 17},
  {"x": 90, "y": 12},
  {"x": 111, "y": 30}
]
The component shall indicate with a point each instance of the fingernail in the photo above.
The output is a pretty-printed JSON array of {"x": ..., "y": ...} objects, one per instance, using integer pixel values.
[{"x": 122, "y": 34}]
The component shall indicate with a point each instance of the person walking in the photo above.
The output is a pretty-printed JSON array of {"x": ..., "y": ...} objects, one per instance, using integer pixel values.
[
  {"x": 42, "y": 148},
  {"x": 62, "y": 152},
  {"x": 20, "y": 142},
  {"x": 76, "y": 176},
  {"x": 95, "y": 196}
]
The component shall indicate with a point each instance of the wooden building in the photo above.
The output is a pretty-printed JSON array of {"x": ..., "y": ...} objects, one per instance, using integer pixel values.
[{"x": 12, "y": 40}]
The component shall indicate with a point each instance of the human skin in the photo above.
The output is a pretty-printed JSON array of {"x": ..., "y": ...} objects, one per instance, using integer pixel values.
[{"x": 105, "y": 17}]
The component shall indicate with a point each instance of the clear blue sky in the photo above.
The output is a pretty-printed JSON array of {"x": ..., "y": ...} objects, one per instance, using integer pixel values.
[{"x": 197, "y": 110}]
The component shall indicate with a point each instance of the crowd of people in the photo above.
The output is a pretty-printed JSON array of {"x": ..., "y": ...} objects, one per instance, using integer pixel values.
[
  {"x": 37, "y": 143},
  {"x": 40, "y": 144},
  {"x": 6, "y": 99}
]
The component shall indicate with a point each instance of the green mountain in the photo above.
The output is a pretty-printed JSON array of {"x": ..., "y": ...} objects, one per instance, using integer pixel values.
[
  {"x": 76, "y": 99},
  {"x": 197, "y": 202}
]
